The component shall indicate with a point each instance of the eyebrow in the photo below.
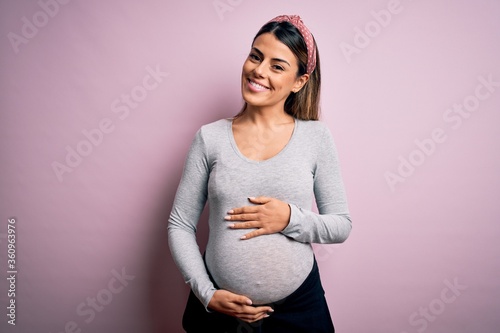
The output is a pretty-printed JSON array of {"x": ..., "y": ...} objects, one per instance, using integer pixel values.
[{"x": 274, "y": 59}]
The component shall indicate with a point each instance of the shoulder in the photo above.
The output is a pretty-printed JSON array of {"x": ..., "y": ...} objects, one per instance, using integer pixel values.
[
  {"x": 316, "y": 137},
  {"x": 215, "y": 128},
  {"x": 313, "y": 129},
  {"x": 217, "y": 125},
  {"x": 212, "y": 133}
]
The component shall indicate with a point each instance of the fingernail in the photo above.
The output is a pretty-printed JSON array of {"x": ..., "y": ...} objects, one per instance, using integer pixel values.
[
  {"x": 230, "y": 211},
  {"x": 243, "y": 237},
  {"x": 272, "y": 310},
  {"x": 231, "y": 226},
  {"x": 227, "y": 217},
  {"x": 251, "y": 198},
  {"x": 266, "y": 316}
]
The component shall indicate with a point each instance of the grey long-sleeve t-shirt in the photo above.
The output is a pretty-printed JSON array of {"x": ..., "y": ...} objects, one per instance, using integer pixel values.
[{"x": 266, "y": 268}]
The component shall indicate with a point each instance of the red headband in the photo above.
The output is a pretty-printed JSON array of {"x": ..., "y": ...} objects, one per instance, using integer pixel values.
[{"x": 306, "y": 34}]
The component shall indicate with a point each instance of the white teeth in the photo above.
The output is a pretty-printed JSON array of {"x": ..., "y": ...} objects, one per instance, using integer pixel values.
[{"x": 256, "y": 85}]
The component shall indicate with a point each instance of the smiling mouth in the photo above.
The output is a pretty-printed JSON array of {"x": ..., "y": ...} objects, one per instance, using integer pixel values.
[{"x": 257, "y": 86}]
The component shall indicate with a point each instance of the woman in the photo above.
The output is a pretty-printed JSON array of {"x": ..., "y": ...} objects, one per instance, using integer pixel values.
[{"x": 259, "y": 171}]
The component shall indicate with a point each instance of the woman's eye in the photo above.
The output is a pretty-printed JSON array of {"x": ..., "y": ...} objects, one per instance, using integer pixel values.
[
  {"x": 254, "y": 57},
  {"x": 278, "y": 67}
]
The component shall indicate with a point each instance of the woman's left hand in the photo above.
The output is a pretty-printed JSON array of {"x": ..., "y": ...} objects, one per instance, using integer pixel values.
[{"x": 268, "y": 216}]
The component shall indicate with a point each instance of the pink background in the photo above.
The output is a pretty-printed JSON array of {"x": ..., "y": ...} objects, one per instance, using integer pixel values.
[{"x": 435, "y": 226}]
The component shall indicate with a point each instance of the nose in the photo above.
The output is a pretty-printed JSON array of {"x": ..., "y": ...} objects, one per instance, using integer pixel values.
[{"x": 260, "y": 69}]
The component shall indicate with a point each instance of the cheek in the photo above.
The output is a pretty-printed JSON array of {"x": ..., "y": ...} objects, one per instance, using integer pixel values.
[
  {"x": 247, "y": 67},
  {"x": 287, "y": 83}
]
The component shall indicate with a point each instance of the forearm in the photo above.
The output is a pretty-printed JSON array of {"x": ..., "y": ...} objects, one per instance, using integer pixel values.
[
  {"x": 309, "y": 227},
  {"x": 187, "y": 257},
  {"x": 190, "y": 199}
]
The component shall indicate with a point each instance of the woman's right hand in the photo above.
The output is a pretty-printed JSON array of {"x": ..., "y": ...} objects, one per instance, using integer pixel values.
[{"x": 237, "y": 306}]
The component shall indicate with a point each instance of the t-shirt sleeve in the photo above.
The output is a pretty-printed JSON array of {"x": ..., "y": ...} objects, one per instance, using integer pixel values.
[
  {"x": 189, "y": 202},
  {"x": 333, "y": 223}
]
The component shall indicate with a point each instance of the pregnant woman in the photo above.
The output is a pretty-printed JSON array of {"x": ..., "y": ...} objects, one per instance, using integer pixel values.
[{"x": 260, "y": 172}]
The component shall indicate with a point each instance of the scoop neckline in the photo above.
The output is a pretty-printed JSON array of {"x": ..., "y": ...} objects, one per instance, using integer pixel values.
[{"x": 249, "y": 160}]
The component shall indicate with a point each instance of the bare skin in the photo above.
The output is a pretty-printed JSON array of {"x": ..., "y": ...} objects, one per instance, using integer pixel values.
[
  {"x": 269, "y": 75},
  {"x": 238, "y": 306},
  {"x": 268, "y": 216}
]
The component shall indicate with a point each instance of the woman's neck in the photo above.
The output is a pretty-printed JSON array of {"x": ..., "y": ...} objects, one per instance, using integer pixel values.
[{"x": 265, "y": 116}]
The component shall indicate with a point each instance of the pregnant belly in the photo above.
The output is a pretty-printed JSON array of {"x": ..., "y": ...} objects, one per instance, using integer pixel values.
[{"x": 266, "y": 268}]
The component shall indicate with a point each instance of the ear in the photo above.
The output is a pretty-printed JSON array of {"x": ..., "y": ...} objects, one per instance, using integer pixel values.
[{"x": 300, "y": 82}]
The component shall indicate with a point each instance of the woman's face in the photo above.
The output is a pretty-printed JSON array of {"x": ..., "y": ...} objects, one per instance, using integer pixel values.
[{"x": 270, "y": 73}]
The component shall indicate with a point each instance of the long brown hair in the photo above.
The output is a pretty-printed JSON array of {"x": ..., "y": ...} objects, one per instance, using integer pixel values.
[{"x": 304, "y": 104}]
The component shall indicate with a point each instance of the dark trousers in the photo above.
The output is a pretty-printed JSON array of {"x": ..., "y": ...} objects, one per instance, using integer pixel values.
[{"x": 304, "y": 311}]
